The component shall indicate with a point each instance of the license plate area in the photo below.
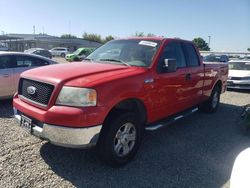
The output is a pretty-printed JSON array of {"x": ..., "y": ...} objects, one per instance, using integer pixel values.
[{"x": 26, "y": 123}]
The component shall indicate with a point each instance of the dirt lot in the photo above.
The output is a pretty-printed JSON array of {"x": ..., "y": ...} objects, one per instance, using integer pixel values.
[
  {"x": 198, "y": 151},
  {"x": 60, "y": 60}
]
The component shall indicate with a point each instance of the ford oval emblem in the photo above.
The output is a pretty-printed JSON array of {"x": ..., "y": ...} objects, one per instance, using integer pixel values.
[{"x": 31, "y": 90}]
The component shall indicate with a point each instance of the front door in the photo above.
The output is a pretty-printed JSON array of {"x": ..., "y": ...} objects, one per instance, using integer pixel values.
[
  {"x": 171, "y": 87},
  {"x": 6, "y": 77}
]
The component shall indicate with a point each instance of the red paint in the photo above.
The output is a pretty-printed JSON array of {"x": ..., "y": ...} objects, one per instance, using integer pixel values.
[{"x": 168, "y": 94}]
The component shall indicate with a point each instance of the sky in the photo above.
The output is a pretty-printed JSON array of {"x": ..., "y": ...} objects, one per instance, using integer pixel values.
[{"x": 226, "y": 21}]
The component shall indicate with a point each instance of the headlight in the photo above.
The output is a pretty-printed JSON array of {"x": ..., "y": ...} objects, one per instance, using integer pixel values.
[{"x": 74, "y": 96}]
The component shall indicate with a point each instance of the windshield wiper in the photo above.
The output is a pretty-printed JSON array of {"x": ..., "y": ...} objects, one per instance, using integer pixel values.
[
  {"x": 115, "y": 60},
  {"x": 88, "y": 59}
]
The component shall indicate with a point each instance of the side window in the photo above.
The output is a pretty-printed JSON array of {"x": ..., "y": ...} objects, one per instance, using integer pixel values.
[
  {"x": 22, "y": 61},
  {"x": 173, "y": 50},
  {"x": 5, "y": 62},
  {"x": 191, "y": 55},
  {"x": 38, "y": 62}
]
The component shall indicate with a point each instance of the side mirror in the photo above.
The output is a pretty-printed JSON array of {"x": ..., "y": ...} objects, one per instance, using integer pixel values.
[{"x": 169, "y": 65}]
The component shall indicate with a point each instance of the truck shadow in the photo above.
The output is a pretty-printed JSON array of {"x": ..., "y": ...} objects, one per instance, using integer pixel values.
[
  {"x": 198, "y": 151},
  {"x": 6, "y": 109}
]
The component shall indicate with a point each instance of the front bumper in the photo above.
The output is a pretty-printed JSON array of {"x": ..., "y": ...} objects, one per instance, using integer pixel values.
[
  {"x": 64, "y": 136},
  {"x": 238, "y": 84}
]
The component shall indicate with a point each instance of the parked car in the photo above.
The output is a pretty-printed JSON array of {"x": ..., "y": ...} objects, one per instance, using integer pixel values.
[
  {"x": 247, "y": 57},
  {"x": 216, "y": 58},
  {"x": 39, "y": 51},
  {"x": 3, "y": 48},
  {"x": 123, "y": 88},
  {"x": 59, "y": 51},
  {"x": 79, "y": 54},
  {"x": 241, "y": 169},
  {"x": 239, "y": 74},
  {"x": 12, "y": 64}
]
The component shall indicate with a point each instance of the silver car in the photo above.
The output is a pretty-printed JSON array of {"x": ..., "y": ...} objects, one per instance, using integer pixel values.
[
  {"x": 59, "y": 51},
  {"x": 12, "y": 64},
  {"x": 239, "y": 74}
]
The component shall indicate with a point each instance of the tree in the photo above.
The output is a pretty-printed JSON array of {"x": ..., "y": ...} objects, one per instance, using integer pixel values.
[
  {"x": 141, "y": 34},
  {"x": 108, "y": 38},
  {"x": 92, "y": 37},
  {"x": 151, "y": 35},
  {"x": 68, "y": 36},
  {"x": 201, "y": 44},
  {"x": 248, "y": 49}
]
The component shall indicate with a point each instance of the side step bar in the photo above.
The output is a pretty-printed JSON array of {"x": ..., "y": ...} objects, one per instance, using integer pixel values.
[{"x": 170, "y": 120}]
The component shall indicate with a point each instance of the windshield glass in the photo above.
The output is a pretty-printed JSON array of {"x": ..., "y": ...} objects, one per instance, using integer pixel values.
[
  {"x": 211, "y": 58},
  {"x": 239, "y": 65},
  {"x": 77, "y": 52},
  {"x": 132, "y": 52}
]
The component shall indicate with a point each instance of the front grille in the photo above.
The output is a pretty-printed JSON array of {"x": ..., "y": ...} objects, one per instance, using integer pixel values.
[
  {"x": 235, "y": 78},
  {"x": 42, "y": 93}
]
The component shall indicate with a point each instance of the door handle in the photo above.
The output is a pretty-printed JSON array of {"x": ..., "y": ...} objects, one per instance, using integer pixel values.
[
  {"x": 188, "y": 76},
  {"x": 5, "y": 75}
]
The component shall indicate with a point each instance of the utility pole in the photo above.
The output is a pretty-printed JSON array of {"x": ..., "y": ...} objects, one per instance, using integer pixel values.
[
  {"x": 34, "y": 29},
  {"x": 209, "y": 38},
  {"x": 69, "y": 27}
]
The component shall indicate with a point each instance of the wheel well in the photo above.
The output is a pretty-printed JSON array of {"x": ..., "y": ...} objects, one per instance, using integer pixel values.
[
  {"x": 219, "y": 84},
  {"x": 129, "y": 105}
]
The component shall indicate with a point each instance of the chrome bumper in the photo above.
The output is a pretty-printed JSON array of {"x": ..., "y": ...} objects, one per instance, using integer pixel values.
[{"x": 65, "y": 136}]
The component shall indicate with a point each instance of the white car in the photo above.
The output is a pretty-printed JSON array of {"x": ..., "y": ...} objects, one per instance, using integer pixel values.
[
  {"x": 241, "y": 169},
  {"x": 239, "y": 74},
  {"x": 59, "y": 51}
]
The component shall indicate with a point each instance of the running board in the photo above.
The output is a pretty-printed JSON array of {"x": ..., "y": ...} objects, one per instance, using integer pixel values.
[{"x": 170, "y": 120}]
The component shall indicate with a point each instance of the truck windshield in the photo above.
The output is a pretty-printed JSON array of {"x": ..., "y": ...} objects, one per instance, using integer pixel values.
[
  {"x": 239, "y": 65},
  {"x": 133, "y": 52}
]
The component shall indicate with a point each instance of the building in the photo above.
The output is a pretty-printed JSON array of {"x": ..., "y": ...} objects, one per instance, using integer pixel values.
[{"x": 21, "y": 42}]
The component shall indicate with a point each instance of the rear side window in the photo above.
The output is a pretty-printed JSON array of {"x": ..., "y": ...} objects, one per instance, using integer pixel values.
[
  {"x": 5, "y": 62},
  {"x": 22, "y": 61},
  {"x": 191, "y": 55},
  {"x": 39, "y": 62}
]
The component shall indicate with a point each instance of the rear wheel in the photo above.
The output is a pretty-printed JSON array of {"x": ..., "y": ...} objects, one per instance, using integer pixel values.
[
  {"x": 211, "y": 105},
  {"x": 62, "y": 54},
  {"x": 120, "y": 139}
]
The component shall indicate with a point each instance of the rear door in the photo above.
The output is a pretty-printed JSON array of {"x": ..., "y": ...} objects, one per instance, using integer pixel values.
[
  {"x": 194, "y": 75},
  {"x": 6, "y": 76},
  {"x": 23, "y": 63}
]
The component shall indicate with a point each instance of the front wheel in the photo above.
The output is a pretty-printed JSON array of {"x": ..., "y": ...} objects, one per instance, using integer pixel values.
[
  {"x": 120, "y": 139},
  {"x": 211, "y": 105}
]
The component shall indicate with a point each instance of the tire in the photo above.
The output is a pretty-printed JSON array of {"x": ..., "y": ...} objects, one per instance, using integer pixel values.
[
  {"x": 62, "y": 54},
  {"x": 76, "y": 59},
  {"x": 212, "y": 104},
  {"x": 120, "y": 139}
]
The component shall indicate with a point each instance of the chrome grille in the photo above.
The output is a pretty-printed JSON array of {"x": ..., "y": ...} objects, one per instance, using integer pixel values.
[{"x": 42, "y": 93}]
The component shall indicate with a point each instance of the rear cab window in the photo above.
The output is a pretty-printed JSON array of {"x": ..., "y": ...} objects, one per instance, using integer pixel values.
[{"x": 191, "y": 55}]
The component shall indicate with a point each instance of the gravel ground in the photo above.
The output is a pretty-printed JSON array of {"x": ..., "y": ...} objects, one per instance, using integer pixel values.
[{"x": 198, "y": 151}]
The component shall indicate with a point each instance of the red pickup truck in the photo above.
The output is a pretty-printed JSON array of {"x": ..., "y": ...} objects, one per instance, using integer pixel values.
[{"x": 121, "y": 89}]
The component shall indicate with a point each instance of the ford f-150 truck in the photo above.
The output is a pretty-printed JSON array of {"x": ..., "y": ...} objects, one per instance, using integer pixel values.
[{"x": 123, "y": 88}]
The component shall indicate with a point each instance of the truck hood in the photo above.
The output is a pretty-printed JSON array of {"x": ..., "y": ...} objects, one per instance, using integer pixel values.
[
  {"x": 62, "y": 73},
  {"x": 239, "y": 73}
]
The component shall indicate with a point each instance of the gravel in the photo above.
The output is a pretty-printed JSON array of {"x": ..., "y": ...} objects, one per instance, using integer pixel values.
[{"x": 197, "y": 151}]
